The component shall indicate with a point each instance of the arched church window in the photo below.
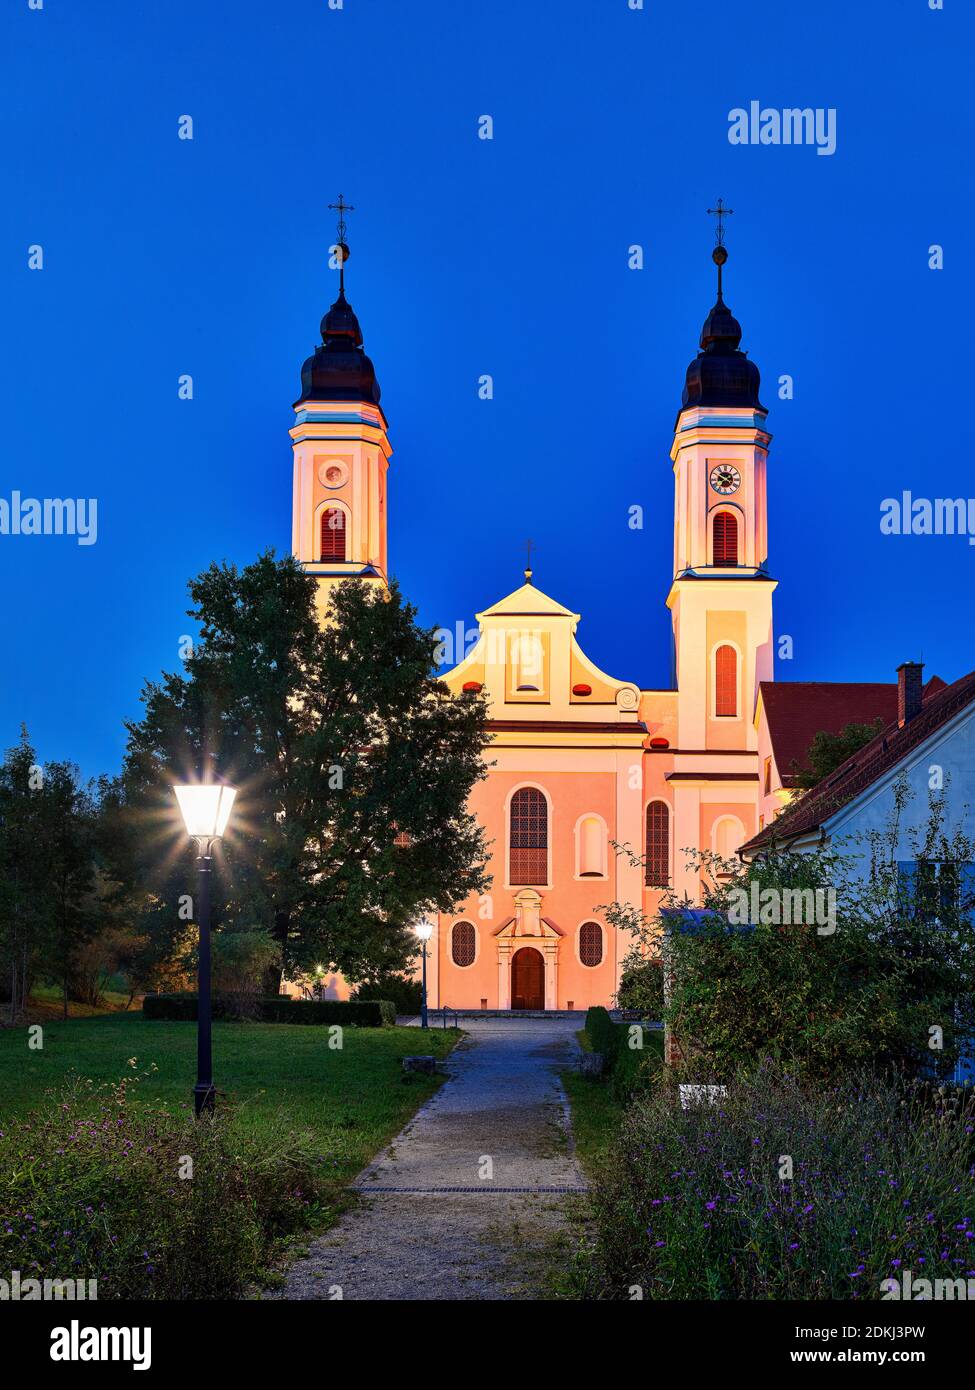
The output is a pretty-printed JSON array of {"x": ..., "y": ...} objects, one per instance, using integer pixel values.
[
  {"x": 528, "y": 843},
  {"x": 591, "y": 848},
  {"x": 333, "y": 534},
  {"x": 463, "y": 943},
  {"x": 726, "y": 683},
  {"x": 590, "y": 943},
  {"x": 658, "y": 845},
  {"x": 725, "y": 538}
]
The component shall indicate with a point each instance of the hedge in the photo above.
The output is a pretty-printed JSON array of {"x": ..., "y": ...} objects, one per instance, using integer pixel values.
[
  {"x": 603, "y": 1033},
  {"x": 406, "y": 994},
  {"x": 627, "y": 1069},
  {"x": 364, "y": 1013}
]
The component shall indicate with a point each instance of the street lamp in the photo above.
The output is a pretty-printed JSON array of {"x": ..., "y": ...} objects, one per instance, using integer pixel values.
[
  {"x": 205, "y": 808},
  {"x": 424, "y": 931}
]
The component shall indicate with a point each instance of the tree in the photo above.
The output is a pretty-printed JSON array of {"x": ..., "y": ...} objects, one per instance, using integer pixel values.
[
  {"x": 48, "y": 872},
  {"x": 354, "y": 766},
  {"x": 828, "y": 751},
  {"x": 67, "y": 835},
  {"x": 884, "y": 978}
]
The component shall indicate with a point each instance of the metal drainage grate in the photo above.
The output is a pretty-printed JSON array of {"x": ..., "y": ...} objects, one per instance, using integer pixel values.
[{"x": 484, "y": 1187}]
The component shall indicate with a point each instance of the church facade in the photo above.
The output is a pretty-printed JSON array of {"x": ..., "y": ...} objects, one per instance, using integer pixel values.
[{"x": 580, "y": 760}]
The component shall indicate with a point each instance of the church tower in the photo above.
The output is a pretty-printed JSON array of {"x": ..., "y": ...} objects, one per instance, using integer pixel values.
[
  {"x": 721, "y": 595},
  {"x": 341, "y": 452}
]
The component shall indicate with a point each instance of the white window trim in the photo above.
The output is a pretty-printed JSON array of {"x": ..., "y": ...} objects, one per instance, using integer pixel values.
[
  {"x": 713, "y": 683},
  {"x": 577, "y": 935},
  {"x": 603, "y": 875},
  {"x": 450, "y": 943}
]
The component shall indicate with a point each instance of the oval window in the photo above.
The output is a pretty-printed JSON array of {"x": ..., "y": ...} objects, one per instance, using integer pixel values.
[
  {"x": 463, "y": 943},
  {"x": 590, "y": 943}
]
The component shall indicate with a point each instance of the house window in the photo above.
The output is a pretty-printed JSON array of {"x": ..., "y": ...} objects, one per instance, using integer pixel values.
[
  {"x": 725, "y": 538},
  {"x": 768, "y": 776},
  {"x": 726, "y": 683},
  {"x": 658, "y": 845},
  {"x": 333, "y": 534},
  {"x": 528, "y": 843},
  {"x": 463, "y": 943},
  {"x": 590, "y": 943},
  {"x": 591, "y": 848},
  {"x": 935, "y": 893}
]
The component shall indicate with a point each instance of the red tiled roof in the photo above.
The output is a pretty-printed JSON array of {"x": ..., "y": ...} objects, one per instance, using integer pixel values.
[
  {"x": 796, "y": 711},
  {"x": 890, "y": 747}
]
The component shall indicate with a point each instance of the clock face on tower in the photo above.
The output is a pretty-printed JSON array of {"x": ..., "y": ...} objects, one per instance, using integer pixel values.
[{"x": 725, "y": 479}]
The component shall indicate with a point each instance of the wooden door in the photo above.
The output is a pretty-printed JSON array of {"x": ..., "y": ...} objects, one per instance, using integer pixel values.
[{"x": 527, "y": 979}]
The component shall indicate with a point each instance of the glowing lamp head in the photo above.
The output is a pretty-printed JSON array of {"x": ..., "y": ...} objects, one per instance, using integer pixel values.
[
  {"x": 205, "y": 808},
  {"x": 424, "y": 930}
]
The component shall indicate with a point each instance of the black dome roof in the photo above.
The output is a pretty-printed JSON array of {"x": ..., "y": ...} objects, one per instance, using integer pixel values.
[
  {"x": 339, "y": 370},
  {"x": 721, "y": 374}
]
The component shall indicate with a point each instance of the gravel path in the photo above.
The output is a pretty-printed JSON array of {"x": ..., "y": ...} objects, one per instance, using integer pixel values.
[{"x": 463, "y": 1199}]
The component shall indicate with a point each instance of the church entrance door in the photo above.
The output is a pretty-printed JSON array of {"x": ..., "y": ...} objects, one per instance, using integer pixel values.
[{"x": 527, "y": 979}]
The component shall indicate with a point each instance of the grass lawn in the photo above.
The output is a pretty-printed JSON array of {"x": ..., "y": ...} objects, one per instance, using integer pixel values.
[
  {"x": 47, "y": 1002},
  {"x": 352, "y": 1100},
  {"x": 596, "y": 1112}
]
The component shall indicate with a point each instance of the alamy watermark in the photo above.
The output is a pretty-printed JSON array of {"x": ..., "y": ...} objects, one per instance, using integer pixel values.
[
  {"x": 908, "y": 515},
  {"x": 50, "y": 516},
  {"x": 783, "y": 907},
  {"x": 19, "y": 1290},
  {"x": 793, "y": 125},
  {"x": 927, "y": 1290}
]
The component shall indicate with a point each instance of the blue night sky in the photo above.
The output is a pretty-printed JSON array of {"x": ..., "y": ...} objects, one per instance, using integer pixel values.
[{"x": 509, "y": 257}]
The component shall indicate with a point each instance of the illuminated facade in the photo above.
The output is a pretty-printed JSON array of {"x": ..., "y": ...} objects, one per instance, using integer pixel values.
[{"x": 580, "y": 760}]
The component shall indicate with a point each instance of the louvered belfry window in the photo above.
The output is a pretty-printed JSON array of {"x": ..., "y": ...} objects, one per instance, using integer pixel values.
[
  {"x": 658, "y": 845},
  {"x": 463, "y": 943},
  {"x": 333, "y": 534},
  {"x": 725, "y": 539},
  {"x": 590, "y": 943},
  {"x": 529, "y": 837},
  {"x": 726, "y": 682}
]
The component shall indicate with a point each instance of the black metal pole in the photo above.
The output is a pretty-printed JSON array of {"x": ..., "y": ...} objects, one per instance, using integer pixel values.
[
  {"x": 423, "y": 1008},
  {"x": 203, "y": 1090}
]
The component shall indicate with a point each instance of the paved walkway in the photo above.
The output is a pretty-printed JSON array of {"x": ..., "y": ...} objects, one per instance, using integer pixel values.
[{"x": 471, "y": 1189}]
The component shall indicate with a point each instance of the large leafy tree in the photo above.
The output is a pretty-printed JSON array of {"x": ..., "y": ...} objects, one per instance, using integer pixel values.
[{"x": 354, "y": 765}]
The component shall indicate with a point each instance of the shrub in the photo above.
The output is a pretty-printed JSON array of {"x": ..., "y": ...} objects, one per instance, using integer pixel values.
[
  {"x": 690, "y": 1203},
  {"x": 406, "y": 994},
  {"x": 602, "y": 1032},
  {"x": 373, "y": 1013},
  {"x": 642, "y": 989},
  {"x": 117, "y": 1204},
  {"x": 627, "y": 1068},
  {"x": 241, "y": 959}
]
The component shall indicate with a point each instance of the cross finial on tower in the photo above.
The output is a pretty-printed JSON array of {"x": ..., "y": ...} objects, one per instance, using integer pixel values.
[
  {"x": 341, "y": 207},
  {"x": 719, "y": 255},
  {"x": 528, "y": 566},
  {"x": 720, "y": 212}
]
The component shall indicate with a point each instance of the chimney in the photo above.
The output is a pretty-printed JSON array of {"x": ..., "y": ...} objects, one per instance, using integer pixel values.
[{"x": 909, "y": 686}]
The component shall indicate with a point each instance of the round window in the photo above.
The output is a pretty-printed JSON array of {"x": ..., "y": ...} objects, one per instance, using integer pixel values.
[{"x": 333, "y": 474}]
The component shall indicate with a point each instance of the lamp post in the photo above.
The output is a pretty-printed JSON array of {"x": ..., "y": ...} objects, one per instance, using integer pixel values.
[
  {"x": 205, "y": 808},
  {"x": 424, "y": 931}
]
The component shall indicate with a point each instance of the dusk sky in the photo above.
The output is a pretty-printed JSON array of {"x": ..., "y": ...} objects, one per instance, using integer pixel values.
[{"x": 508, "y": 257}]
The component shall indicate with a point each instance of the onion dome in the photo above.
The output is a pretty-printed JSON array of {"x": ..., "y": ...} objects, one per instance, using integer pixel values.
[
  {"x": 721, "y": 374},
  {"x": 339, "y": 369}
]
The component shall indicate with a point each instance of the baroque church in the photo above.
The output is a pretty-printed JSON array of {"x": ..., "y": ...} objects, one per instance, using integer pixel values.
[{"x": 579, "y": 758}]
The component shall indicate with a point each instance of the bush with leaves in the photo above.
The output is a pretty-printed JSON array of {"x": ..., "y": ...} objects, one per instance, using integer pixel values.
[
  {"x": 891, "y": 972},
  {"x": 784, "y": 1190},
  {"x": 120, "y": 1202}
]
